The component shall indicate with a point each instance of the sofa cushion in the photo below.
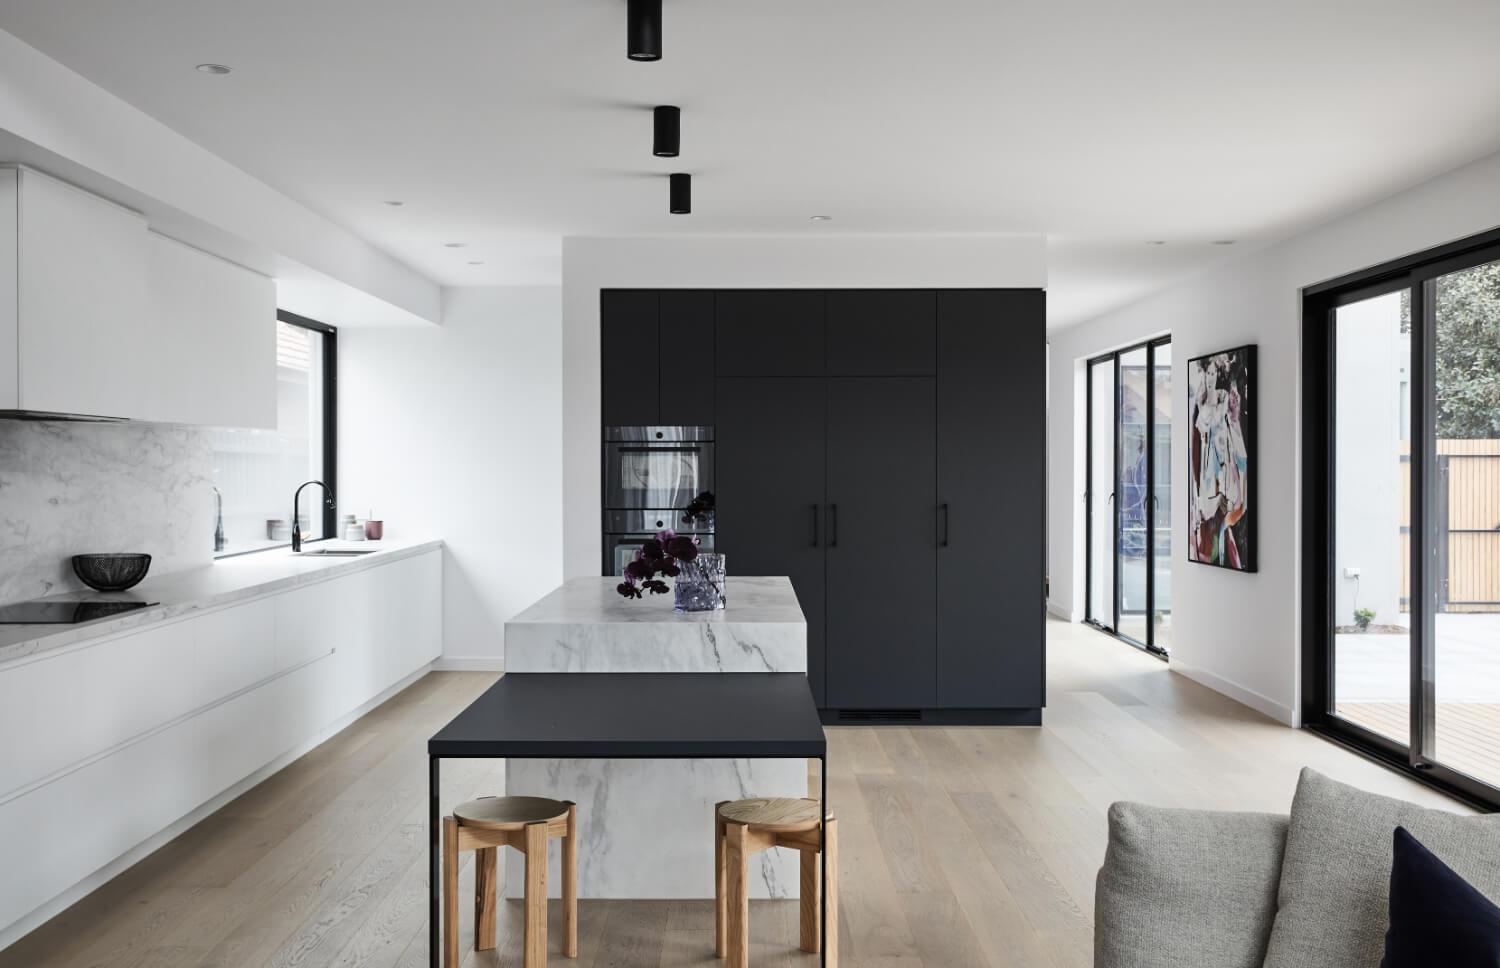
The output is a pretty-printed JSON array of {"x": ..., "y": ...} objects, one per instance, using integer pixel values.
[
  {"x": 1335, "y": 879},
  {"x": 1186, "y": 887},
  {"x": 1437, "y": 917}
]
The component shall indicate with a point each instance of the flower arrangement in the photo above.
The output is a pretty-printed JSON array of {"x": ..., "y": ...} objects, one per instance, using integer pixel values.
[
  {"x": 700, "y": 510},
  {"x": 663, "y": 555}
]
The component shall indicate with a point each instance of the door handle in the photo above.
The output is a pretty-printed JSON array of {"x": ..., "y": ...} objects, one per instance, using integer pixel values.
[
  {"x": 814, "y": 525},
  {"x": 943, "y": 540},
  {"x": 833, "y": 525}
]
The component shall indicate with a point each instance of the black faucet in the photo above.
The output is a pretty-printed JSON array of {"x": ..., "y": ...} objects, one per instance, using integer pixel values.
[{"x": 296, "y": 525}]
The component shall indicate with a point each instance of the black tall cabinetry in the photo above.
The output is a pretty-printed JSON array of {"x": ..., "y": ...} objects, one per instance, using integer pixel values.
[{"x": 885, "y": 449}]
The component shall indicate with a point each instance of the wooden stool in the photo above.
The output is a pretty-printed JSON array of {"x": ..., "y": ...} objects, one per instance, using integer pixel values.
[
  {"x": 746, "y": 827},
  {"x": 525, "y": 823}
]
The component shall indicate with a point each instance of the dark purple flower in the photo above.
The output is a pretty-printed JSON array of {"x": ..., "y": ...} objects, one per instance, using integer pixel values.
[
  {"x": 671, "y": 570},
  {"x": 656, "y": 587},
  {"x": 666, "y": 536},
  {"x": 683, "y": 549},
  {"x": 651, "y": 550},
  {"x": 639, "y": 570},
  {"x": 628, "y": 590}
]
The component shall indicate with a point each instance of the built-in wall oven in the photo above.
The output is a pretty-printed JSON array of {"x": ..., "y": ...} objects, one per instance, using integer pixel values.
[{"x": 651, "y": 477}]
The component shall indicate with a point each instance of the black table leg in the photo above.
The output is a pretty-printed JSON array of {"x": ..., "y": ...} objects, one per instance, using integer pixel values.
[
  {"x": 823, "y": 867},
  {"x": 434, "y": 862}
]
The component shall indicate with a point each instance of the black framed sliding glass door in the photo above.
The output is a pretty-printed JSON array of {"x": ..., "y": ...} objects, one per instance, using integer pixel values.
[
  {"x": 1401, "y": 517},
  {"x": 1128, "y": 494}
]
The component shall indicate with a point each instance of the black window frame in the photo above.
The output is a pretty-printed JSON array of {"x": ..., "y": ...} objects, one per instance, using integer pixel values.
[
  {"x": 1150, "y": 346},
  {"x": 1415, "y": 273},
  {"x": 330, "y": 427}
]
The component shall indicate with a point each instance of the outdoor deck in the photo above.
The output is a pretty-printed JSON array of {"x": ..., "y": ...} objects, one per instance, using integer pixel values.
[{"x": 1468, "y": 733}]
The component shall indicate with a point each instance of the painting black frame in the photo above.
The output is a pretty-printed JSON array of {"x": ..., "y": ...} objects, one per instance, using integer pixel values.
[{"x": 1251, "y": 422}]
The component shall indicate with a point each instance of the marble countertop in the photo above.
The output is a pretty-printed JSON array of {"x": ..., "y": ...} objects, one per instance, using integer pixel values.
[
  {"x": 225, "y": 582},
  {"x": 595, "y": 601},
  {"x": 586, "y": 626}
]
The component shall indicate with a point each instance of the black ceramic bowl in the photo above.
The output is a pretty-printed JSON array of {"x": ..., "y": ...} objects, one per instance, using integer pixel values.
[{"x": 111, "y": 573}]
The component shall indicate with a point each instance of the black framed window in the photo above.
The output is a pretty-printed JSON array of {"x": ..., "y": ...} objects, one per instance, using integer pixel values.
[
  {"x": 257, "y": 471},
  {"x": 1401, "y": 493},
  {"x": 1128, "y": 496}
]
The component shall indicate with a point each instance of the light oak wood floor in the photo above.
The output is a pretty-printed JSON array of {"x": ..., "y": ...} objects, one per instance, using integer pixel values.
[{"x": 960, "y": 846}]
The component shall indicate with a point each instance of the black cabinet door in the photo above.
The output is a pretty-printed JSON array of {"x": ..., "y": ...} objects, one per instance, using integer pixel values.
[
  {"x": 771, "y": 450},
  {"x": 891, "y": 332},
  {"x": 991, "y": 457},
  {"x": 769, "y": 333},
  {"x": 882, "y": 542},
  {"x": 629, "y": 357},
  {"x": 687, "y": 358}
]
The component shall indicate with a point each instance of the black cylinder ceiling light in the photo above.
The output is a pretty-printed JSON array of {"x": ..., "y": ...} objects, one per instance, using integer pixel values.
[
  {"x": 643, "y": 41},
  {"x": 681, "y": 199},
  {"x": 666, "y": 131}
]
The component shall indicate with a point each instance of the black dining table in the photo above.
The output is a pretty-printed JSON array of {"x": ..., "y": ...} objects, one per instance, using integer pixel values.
[{"x": 630, "y": 715}]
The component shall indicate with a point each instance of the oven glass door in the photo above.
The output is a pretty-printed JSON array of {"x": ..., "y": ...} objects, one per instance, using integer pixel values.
[{"x": 644, "y": 475}]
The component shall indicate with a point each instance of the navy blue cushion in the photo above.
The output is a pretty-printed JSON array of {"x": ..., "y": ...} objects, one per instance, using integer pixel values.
[{"x": 1437, "y": 917}]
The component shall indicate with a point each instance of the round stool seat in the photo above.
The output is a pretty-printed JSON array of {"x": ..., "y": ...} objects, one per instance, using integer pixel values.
[
  {"x": 508, "y": 813},
  {"x": 773, "y": 814}
]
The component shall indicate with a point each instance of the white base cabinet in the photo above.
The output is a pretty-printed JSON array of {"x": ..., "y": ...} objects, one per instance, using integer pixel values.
[{"x": 114, "y": 740}]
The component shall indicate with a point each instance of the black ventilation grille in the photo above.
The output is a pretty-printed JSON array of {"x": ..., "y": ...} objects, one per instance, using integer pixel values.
[{"x": 880, "y": 715}]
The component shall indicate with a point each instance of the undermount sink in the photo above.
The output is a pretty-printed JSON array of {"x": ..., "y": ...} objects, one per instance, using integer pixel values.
[{"x": 335, "y": 552}]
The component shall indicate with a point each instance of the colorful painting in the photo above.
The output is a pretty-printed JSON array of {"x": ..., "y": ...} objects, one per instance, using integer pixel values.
[{"x": 1221, "y": 459}]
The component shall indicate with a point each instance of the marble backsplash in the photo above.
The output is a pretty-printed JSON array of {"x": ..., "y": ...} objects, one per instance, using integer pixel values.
[{"x": 72, "y": 488}]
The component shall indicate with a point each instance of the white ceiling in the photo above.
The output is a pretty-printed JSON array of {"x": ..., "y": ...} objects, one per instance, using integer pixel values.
[{"x": 506, "y": 124}]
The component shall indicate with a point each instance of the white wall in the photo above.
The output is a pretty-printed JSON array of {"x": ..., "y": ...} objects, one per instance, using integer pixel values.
[
  {"x": 1234, "y": 632},
  {"x": 455, "y": 432},
  {"x": 767, "y": 262}
]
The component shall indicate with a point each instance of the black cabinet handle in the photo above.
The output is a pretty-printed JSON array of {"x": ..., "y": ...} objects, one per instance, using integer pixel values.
[
  {"x": 814, "y": 525},
  {"x": 943, "y": 541},
  {"x": 833, "y": 525}
]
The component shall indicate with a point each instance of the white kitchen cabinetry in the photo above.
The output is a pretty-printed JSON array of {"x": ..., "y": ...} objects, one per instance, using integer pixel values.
[
  {"x": 79, "y": 276},
  {"x": 100, "y": 317},
  {"x": 159, "y": 722},
  {"x": 213, "y": 339}
]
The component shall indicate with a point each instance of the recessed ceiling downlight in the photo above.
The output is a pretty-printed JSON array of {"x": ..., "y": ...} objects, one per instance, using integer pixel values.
[
  {"x": 1225, "y": 241},
  {"x": 476, "y": 262},
  {"x": 214, "y": 69},
  {"x": 1156, "y": 242},
  {"x": 454, "y": 245},
  {"x": 394, "y": 203},
  {"x": 820, "y": 218}
]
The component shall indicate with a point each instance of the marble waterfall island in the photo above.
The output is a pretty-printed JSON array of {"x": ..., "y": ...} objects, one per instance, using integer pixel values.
[{"x": 624, "y": 805}]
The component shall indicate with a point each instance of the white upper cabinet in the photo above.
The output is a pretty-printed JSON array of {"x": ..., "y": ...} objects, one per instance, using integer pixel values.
[
  {"x": 80, "y": 279},
  {"x": 213, "y": 332},
  {"x": 100, "y": 317}
]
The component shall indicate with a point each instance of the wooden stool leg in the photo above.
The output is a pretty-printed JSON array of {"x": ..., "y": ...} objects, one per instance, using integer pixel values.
[
  {"x": 485, "y": 873},
  {"x": 736, "y": 895},
  {"x": 450, "y": 893},
  {"x": 719, "y": 912},
  {"x": 570, "y": 885},
  {"x": 831, "y": 865},
  {"x": 536, "y": 895},
  {"x": 809, "y": 902}
]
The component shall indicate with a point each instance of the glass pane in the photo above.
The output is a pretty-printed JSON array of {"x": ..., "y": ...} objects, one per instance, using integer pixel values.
[
  {"x": 1161, "y": 366},
  {"x": 1465, "y": 511},
  {"x": 1131, "y": 493},
  {"x": 257, "y": 471},
  {"x": 1371, "y": 634},
  {"x": 1101, "y": 604}
]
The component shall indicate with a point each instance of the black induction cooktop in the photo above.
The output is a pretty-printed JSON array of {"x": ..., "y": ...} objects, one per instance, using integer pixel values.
[{"x": 64, "y": 613}]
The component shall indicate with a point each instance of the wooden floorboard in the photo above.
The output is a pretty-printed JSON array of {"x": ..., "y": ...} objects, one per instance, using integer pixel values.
[{"x": 958, "y": 845}]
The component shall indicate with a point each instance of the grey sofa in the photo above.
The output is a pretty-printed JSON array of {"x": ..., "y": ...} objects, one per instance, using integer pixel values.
[{"x": 1205, "y": 889}]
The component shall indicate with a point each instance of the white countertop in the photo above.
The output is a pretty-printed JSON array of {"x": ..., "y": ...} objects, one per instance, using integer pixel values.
[
  {"x": 225, "y": 582},
  {"x": 585, "y": 625}
]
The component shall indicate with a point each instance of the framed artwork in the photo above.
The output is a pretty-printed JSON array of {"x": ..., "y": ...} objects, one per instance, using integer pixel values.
[{"x": 1222, "y": 459}]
